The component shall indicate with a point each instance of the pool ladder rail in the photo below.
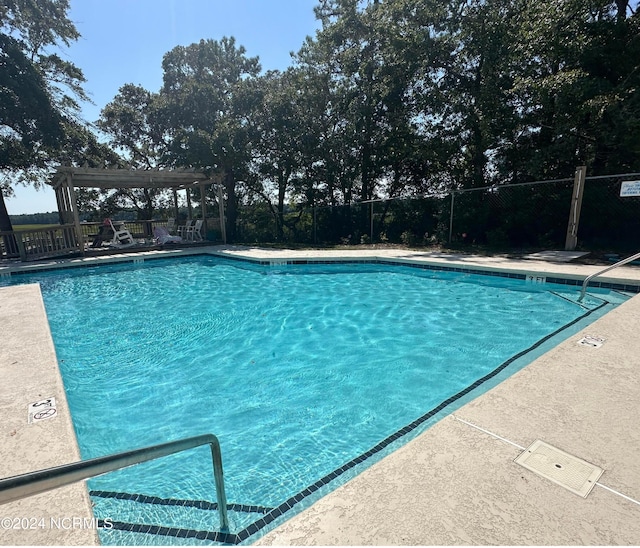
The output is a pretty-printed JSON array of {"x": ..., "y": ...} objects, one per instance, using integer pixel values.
[
  {"x": 33, "y": 483},
  {"x": 589, "y": 278}
]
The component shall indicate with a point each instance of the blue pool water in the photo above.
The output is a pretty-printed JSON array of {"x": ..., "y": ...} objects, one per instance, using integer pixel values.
[{"x": 296, "y": 369}]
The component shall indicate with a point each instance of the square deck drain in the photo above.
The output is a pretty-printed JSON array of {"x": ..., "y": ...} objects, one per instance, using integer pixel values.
[{"x": 572, "y": 473}]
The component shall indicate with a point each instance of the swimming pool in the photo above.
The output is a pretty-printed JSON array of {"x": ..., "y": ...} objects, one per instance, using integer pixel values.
[{"x": 304, "y": 370}]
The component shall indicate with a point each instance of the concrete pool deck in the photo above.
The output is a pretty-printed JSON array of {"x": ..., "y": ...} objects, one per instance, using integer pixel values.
[
  {"x": 29, "y": 373},
  {"x": 455, "y": 484}
]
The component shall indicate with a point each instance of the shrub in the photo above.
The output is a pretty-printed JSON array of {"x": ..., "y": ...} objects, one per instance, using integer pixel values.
[{"x": 408, "y": 238}]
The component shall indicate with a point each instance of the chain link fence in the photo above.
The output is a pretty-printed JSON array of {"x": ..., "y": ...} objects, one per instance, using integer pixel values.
[
  {"x": 412, "y": 221},
  {"x": 513, "y": 216},
  {"x": 607, "y": 220},
  {"x": 502, "y": 217}
]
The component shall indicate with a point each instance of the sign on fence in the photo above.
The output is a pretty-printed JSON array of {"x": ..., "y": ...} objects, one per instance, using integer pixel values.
[{"x": 630, "y": 188}]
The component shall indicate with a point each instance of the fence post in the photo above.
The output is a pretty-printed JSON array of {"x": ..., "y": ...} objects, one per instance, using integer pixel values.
[
  {"x": 371, "y": 240},
  {"x": 576, "y": 204},
  {"x": 453, "y": 195}
]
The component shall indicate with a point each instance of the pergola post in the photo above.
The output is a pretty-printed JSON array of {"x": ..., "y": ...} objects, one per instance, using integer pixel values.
[
  {"x": 76, "y": 213},
  {"x": 223, "y": 225},
  {"x": 189, "y": 204},
  {"x": 67, "y": 212},
  {"x": 61, "y": 205},
  {"x": 203, "y": 201}
]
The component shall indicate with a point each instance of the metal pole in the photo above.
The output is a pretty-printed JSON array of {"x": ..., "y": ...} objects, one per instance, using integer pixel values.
[
  {"x": 33, "y": 483},
  {"x": 315, "y": 225},
  {"x": 589, "y": 278},
  {"x": 453, "y": 195},
  {"x": 218, "y": 478},
  {"x": 371, "y": 222}
]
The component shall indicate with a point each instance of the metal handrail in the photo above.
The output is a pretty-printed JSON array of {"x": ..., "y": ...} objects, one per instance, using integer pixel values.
[
  {"x": 25, "y": 485},
  {"x": 589, "y": 278}
]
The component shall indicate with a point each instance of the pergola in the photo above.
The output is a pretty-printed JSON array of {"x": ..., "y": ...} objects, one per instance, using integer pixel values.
[{"x": 66, "y": 179}]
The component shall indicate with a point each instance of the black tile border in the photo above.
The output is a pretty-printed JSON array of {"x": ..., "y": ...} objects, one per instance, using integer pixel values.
[
  {"x": 328, "y": 478},
  {"x": 592, "y": 284},
  {"x": 199, "y": 504},
  {"x": 177, "y": 532},
  {"x": 274, "y": 513}
]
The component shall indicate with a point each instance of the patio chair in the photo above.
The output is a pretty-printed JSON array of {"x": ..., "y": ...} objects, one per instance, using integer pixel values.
[
  {"x": 182, "y": 230},
  {"x": 171, "y": 225},
  {"x": 194, "y": 232},
  {"x": 162, "y": 236},
  {"x": 121, "y": 235}
]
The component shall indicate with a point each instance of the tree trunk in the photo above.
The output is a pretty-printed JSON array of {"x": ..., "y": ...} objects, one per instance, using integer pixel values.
[
  {"x": 9, "y": 240},
  {"x": 5, "y": 221},
  {"x": 232, "y": 206},
  {"x": 621, "y": 6},
  {"x": 283, "y": 179}
]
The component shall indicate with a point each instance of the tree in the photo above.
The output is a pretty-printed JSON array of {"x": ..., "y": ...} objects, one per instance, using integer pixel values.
[
  {"x": 207, "y": 97},
  {"x": 575, "y": 67},
  {"x": 131, "y": 122},
  {"x": 39, "y": 94},
  {"x": 349, "y": 47},
  {"x": 282, "y": 130},
  {"x": 369, "y": 57}
]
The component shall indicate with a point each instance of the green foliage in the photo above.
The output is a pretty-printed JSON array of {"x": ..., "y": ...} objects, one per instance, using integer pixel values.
[
  {"x": 206, "y": 100},
  {"x": 39, "y": 94},
  {"x": 130, "y": 121},
  {"x": 32, "y": 122},
  {"x": 390, "y": 99},
  {"x": 133, "y": 124}
]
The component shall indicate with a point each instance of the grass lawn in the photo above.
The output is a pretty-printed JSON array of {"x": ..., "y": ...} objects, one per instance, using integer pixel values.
[{"x": 32, "y": 227}]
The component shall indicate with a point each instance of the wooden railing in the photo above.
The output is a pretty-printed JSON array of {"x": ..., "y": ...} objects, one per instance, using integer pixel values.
[
  {"x": 38, "y": 243},
  {"x": 138, "y": 229},
  {"x": 8, "y": 245},
  {"x": 56, "y": 241}
]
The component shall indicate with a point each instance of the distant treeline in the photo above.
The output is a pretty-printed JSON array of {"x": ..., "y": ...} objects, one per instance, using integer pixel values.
[{"x": 50, "y": 218}]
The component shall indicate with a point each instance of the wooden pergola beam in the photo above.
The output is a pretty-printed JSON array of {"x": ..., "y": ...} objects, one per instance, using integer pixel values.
[{"x": 125, "y": 178}]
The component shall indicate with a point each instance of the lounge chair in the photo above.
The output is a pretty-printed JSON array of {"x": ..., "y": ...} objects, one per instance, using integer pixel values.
[
  {"x": 162, "y": 236},
  {"x": 121, "y": 236},
  {"x": 182, "y": 230},
  {"x": 193, "y": 233}
]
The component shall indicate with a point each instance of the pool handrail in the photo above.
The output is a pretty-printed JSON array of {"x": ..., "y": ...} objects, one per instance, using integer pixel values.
[
  {"x": 589, "y": 278},
  {"x": 24, "y": 485}
]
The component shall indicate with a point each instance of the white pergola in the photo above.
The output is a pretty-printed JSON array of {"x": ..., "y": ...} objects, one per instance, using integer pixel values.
[{"x": 66, "y": 179}]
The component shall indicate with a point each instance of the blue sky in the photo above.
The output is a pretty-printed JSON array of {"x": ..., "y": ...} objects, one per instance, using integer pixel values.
[{"x": 123, "y": 42}]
